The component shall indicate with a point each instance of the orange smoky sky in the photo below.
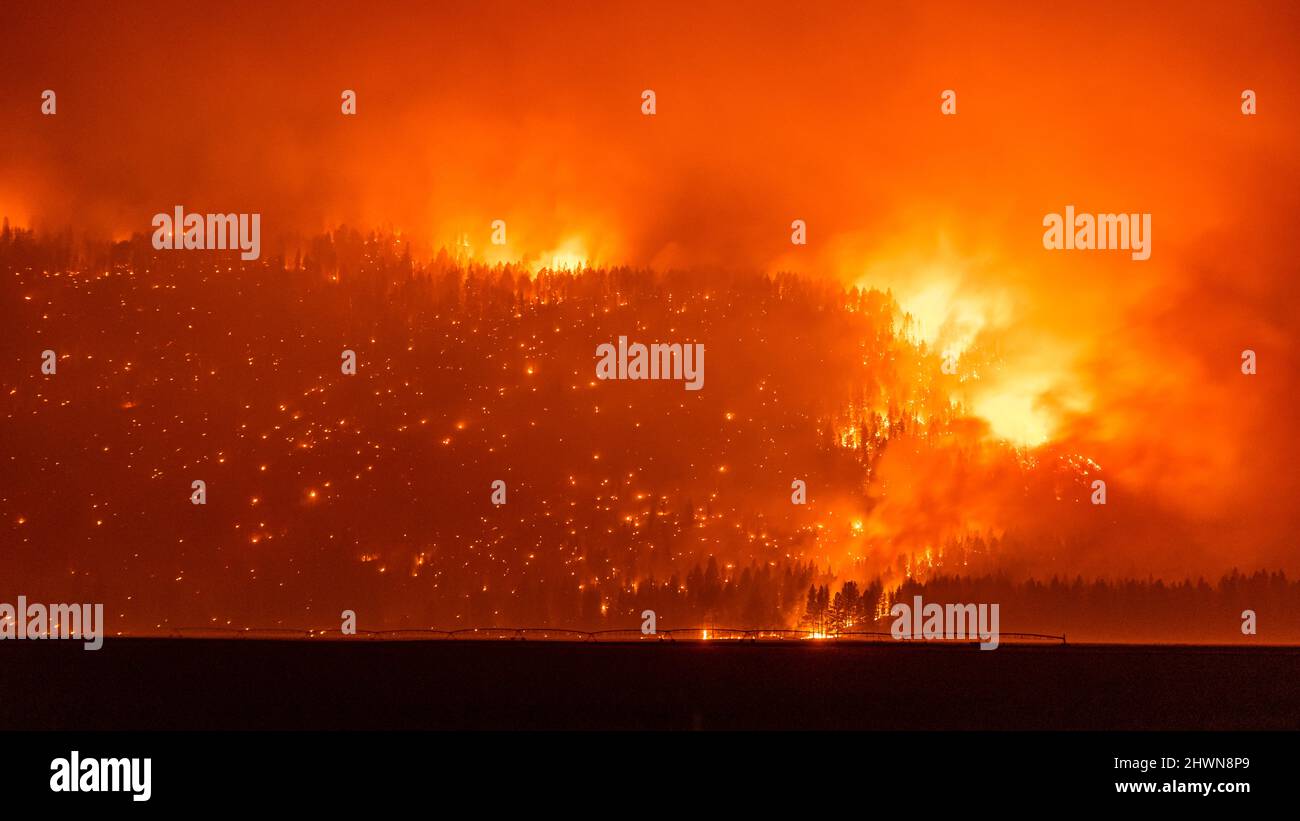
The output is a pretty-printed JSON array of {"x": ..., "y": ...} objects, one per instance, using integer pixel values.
[{"x": 767, "y": 113}]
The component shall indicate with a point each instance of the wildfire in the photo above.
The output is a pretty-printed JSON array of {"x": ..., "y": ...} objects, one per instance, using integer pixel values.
[{"x": 571, "y": 255}]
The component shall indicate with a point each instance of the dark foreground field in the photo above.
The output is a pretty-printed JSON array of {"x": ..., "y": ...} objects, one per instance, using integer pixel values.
[{"x": 150, "y": 684}]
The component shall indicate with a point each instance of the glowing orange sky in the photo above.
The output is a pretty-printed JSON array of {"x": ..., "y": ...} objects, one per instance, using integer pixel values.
[{"x": 766, "y": 113}]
